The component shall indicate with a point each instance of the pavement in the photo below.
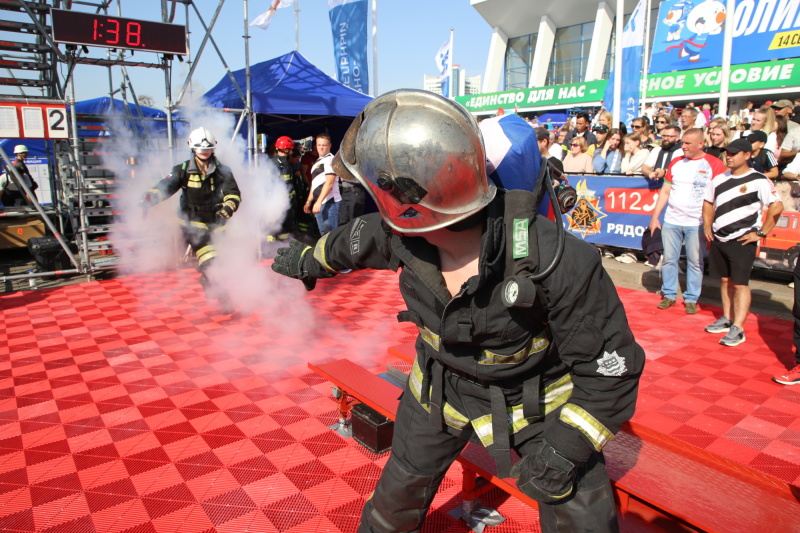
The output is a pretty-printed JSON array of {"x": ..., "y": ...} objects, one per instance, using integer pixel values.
[{"x": 770, "y": 291}]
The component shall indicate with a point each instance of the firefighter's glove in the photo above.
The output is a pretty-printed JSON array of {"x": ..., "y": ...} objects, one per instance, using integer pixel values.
[
  {"x": 291, "y": 260},
  {"x": 226, "y": 209},
  {"x": 546, "y": 476}
]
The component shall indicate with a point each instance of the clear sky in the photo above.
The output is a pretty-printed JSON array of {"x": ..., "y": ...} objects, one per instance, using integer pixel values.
[{"x": 410, "y": 33}]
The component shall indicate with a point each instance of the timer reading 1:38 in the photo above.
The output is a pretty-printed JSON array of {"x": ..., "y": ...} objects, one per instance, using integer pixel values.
[
  {"x": 111, "y": 32},
  {"x": 76, "y": 27}
]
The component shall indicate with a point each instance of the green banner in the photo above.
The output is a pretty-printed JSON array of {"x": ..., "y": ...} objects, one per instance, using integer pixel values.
[
  {"x": 746, "y": 77},
  {"x": 573, "y": 93}
]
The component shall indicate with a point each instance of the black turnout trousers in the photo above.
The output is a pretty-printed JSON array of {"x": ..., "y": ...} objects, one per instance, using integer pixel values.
[{"x": 421, "y": 455}]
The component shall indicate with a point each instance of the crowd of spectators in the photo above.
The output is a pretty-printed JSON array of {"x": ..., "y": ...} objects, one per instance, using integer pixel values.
[{"x": 654, "y": 139}]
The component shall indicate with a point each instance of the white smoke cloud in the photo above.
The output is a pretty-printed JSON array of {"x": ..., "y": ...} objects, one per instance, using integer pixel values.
[{"x": 153, "y": 242}]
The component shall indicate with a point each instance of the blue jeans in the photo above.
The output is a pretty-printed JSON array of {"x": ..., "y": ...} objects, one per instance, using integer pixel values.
[
  {"x": 328, "y": 217},
  {"x": 673, "y": 237}
]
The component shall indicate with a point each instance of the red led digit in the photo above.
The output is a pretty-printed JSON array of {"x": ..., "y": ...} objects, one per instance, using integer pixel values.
[
  {"x": 94, "y": 35},
  {"x": 115, "y": 31},
  {"x": 133, "y": 35}
]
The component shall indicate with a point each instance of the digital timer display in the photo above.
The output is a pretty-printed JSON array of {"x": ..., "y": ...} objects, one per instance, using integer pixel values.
[{"x": 75, "y": 27}]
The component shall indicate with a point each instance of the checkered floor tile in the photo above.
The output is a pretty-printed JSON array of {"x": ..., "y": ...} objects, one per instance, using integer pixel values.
[{"x": 132, "y": 405}]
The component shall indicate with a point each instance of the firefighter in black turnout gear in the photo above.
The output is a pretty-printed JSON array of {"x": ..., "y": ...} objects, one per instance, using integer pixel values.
[
  {"x": 209, "y": 197},
  {"x": 283, "y": 147},
  {"x": 553, "y": 381}
]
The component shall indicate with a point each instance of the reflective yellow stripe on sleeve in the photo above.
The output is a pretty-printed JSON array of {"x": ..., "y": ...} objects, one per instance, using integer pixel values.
[
  {"x": 319, "y": 253},
  {"x": 233, "y": 197},
  {"x": 580, "y": 419}
]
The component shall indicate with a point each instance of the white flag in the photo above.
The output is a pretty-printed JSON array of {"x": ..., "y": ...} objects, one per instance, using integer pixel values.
[
  {"x": 444, "y": 57},
  {"x": 262, "y": 21}
]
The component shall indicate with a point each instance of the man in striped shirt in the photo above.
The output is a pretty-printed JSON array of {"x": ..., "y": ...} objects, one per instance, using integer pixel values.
[{"x": 732, "y": 222}]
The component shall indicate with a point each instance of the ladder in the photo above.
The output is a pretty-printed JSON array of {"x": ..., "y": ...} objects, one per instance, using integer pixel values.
[{"x": 27, "y": 61}]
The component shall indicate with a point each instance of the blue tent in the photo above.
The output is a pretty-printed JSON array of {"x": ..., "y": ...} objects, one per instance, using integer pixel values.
[
  {"x": 289, "y": 85},
  {"x": 292, "y": 97},
  {"x": 103, "y": 106}
]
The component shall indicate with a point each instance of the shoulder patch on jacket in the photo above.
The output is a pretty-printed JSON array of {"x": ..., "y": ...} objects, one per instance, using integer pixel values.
[{"x": 611, "y": 364}]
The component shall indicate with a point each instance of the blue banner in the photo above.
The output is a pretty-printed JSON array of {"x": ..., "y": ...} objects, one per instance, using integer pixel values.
[
  {"x": 690, "y": 33},
  {"x": 632, "y": 48},
  {"x": 349, "y": 28},
  {"x": 613, "y": 211}
]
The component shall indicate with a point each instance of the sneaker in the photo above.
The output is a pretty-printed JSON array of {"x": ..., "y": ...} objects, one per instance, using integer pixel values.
[
  {"x": 666, "y": 303},
  {"x": 734, "y": 337},
  {"x": 790, "y": 377},
  {"x": 722, "y": 325},
  {"x": 627, "y": 258},
  {"x": 691, "y": 308}
]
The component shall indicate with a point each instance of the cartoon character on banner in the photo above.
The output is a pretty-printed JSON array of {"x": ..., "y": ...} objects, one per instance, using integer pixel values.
[
  {"x": 676, "y": 19},
  {"x": 703, "y": 20}
]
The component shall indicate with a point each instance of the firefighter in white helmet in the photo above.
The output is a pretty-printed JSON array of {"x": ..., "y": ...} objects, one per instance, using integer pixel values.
[
  {"x": 13, "y": 194},
  {"x": 210, "y": 196},
  {"x": 551, "y": 376}
]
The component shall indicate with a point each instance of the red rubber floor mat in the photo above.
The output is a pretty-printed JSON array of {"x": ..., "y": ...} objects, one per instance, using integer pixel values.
[{"x": 132, "y": 405}]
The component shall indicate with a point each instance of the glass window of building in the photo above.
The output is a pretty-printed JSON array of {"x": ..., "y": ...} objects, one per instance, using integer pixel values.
[
  {"x": 570, "y": 54},
  {"x": 519, "y": 56}
]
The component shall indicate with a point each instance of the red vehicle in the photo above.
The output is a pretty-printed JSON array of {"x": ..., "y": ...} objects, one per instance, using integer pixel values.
[{"x": 782, "y": 243}]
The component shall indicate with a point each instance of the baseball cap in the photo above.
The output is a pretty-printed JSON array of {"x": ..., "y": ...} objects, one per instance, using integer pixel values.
[
  {"x": 780, "y": 104},
  {"x": 739, "y": 145},
  {"x": 757, "y": 135},
  {"x": 600, "y": 128}
]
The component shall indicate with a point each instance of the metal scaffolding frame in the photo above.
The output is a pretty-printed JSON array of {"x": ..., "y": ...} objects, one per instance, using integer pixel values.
[{"x": 64, "y": 92}]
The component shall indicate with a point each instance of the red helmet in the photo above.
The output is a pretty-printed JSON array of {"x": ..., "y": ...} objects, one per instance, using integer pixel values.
[{"x": 284, "y": 143}]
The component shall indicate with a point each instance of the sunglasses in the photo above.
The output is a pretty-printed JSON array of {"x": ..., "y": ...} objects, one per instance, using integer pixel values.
[
  {"x": 661, "y": 121},
  {"x": 634, "y": 126},
  {"x": 576, "y": 144}
]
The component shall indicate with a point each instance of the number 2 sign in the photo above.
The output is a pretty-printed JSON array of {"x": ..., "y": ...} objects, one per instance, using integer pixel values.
[{"x": 33, "y": 121}]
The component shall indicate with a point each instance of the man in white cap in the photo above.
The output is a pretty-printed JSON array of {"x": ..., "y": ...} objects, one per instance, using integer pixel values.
[{"x": 13, "y": 194}]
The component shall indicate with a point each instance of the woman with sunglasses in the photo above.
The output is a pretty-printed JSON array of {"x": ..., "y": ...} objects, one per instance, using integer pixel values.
[
  {"x": 607, "y": 156},
  {"x": 577, "y": 160},
  {"x": 635, "y": 154},
  {"x": 662, "y": 121}
]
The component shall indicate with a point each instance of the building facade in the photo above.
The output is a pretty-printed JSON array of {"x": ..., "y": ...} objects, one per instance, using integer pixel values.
[{"x": 558, "y": 55}]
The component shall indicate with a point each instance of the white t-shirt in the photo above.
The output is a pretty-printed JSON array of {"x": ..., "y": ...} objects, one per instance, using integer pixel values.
[
  {"x": 325, "y": 163},
  {"x": 689, "y": 179}
]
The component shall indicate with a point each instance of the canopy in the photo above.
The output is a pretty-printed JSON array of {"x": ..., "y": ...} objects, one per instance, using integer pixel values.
[{"x": 289, "y": 85}]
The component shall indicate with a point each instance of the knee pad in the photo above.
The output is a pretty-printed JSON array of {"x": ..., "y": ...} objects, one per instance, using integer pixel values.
[{"x": 400, "y": 501}]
